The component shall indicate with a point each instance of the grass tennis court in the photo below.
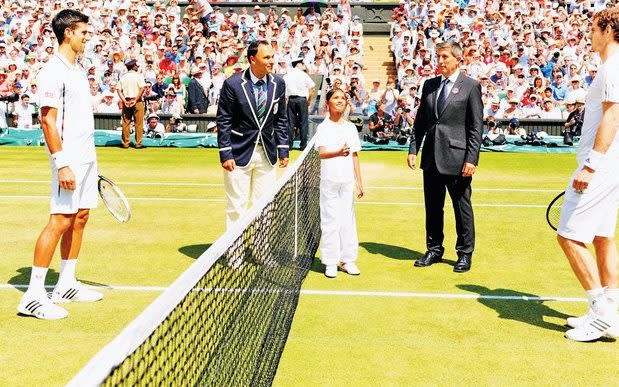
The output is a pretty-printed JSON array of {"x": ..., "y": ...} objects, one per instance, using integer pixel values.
[{"x": 393, "y": 325}]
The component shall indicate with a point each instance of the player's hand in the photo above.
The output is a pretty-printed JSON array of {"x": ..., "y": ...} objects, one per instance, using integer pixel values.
[
  {"x": 468, "y": 170},
  {"x": 345, "y": 151},
  {"x": 196, "y": 111},
  {"x": 66, "y": 178},
  {"x": 283, "y": 162},
  {"x": 229, "y": 165},
  {"x": 360, "y": 191},
  {"x": 411, "y": 160},
  {"x": 582, "y": 179}
]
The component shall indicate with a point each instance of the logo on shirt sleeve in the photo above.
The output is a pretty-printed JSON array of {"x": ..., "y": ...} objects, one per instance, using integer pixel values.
[{"x": 50, "y": 94}]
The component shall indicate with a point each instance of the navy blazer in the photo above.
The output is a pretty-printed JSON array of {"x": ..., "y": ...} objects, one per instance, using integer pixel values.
[{"x": 237, "y": 122}]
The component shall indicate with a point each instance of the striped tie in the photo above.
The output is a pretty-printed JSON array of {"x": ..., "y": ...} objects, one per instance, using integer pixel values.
[{"x": 262, "y": 100}]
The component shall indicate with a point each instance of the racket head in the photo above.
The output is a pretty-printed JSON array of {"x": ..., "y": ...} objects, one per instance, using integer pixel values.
[
  {"x": 113, "y": 198},
  {"x": 553, "y": 212}
]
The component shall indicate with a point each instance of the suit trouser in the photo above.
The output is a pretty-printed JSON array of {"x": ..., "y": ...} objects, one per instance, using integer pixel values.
[
  {"x": 435, "y": 185},
  {"x": 245, "y": 185},
  {"x": 339, "y": 241},
  {"x": 137, "y": 113},
  {"x": 298, "y": 119}
]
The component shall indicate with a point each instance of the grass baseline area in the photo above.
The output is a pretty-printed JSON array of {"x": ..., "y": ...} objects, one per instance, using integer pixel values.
[{"x": 393, "y": 325}]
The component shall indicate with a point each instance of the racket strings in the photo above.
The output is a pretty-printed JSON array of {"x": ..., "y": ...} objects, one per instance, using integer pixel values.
[
  {"x": 114, "y": 201},
  {"x": 553, "y": 214}
]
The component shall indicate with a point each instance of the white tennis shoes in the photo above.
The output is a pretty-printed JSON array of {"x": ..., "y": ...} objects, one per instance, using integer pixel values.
[{"x": 43, "y": 306}]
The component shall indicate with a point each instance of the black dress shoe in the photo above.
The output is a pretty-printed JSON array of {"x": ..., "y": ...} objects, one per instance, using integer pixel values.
[
  {"x": 463, "y": 264},
  {"x": 429, "y": 258}
]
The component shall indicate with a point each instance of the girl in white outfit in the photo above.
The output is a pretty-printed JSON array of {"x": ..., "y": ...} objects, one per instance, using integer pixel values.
[{"x": 338, "y": 145}]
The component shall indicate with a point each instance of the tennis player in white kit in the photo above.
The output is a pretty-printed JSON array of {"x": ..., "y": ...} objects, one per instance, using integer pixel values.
[
  {"x": 68, "y": 126},
  {"x": 589, "y": 212},
  {"x": 337, "y": 143}
]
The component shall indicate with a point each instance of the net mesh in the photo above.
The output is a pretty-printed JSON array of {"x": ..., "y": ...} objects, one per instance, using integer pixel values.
[{"x": 230, "y": 327}]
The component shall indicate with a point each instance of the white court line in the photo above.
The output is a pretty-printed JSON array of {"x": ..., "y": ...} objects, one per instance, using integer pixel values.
[
  {"x": 131, "y": 198},
  {"x": 180, "y": 184},
  {"x": 501, "y": 205},
  {"x": 350, "y": 293}
]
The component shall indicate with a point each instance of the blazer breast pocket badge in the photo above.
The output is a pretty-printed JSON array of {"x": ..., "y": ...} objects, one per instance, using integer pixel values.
[
  {"x": 276, "y": 106},
  {"x": 455, "y": 90}
]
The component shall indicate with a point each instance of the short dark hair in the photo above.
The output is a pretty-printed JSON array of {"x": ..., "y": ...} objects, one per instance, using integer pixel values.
[
  {"x": 252, "y": 50},
  {"x": 24, "y": 96},
  {"x": 67, "y": 18},
  {"x": 332, "y": 92},
  {"x": 608, "y": 17}
]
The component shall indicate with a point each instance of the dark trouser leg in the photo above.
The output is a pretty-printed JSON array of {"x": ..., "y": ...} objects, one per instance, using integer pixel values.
[
  {"x": 303, "y": 121},
  {"x": 460, "y": 193},
  {"x": 434, "y": 197},
  {"x": 291, "y": 123}
]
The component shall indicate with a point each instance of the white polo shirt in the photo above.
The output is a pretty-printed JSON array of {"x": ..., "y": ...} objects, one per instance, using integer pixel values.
[
  {"x": 333, "y": 136},
  {"x": 56, "y": 77},
  {"x": 604, "y": 88},
  {"x": 298, "y": 83}
]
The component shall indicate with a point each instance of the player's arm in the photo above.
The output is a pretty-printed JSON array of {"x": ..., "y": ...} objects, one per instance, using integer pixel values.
[
  {"x": 603, "y": 139},
  {"x": 608, "y": 127},
  {"x": 323, "y": 153},
  {"x": 358, "y": 181},
  {"x": 66, "y": 178}
]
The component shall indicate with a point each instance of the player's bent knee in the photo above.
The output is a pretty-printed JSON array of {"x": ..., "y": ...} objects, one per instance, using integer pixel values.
[
  {"x": 81, "y": 218},
  {"x": 60, "y": 223}
]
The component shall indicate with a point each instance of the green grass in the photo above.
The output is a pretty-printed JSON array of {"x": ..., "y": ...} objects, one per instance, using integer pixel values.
[{"x": 335, "y": 340}]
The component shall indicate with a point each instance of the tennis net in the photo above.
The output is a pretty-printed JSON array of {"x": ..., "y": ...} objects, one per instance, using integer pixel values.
[{"x": 225, "y": 320}]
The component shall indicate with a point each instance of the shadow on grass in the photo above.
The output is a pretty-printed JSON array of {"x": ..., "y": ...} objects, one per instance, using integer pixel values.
[
  {"x": 22, "y": 278},
  {"x": 391, "y": 251},
  {"x": 530, "y": 311},
  {"x": 194, "y": 251}
]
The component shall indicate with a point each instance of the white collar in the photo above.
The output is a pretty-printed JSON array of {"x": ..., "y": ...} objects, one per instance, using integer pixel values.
[
  {"x": 72, "y": 66},
  {"x": 453, "y": 78},
  {"x": 255, "y": 79}
]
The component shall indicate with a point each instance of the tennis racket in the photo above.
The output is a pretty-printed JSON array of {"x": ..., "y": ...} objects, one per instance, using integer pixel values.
[
  {"x": 553, "y": 212},
  {"x": 114, "y": 199}
]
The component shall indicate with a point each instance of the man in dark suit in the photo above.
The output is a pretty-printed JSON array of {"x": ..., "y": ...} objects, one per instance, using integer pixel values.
[
  {"x": 450, "y": 117},
  {"x": 197, "y": 101},
  {"x": 252, "y": 130}
]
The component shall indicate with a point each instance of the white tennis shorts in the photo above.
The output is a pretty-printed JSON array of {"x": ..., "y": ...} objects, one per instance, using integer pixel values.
[
  {"x": 85, "y": 195},
  {"x": 593, "y": 212}
]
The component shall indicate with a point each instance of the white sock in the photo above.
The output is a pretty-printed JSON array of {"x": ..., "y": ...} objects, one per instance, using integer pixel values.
[
  {"x": 37, "y": 281},
  {"x": 67, "y": 271},
  {"x": 597, "y": 301},
  {"x": 613, "y": 296}
]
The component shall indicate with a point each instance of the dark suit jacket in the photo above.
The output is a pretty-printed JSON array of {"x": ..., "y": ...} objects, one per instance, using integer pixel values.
[
  {"x": 196, "y": 97},
  {"x": 457, "y": 129},
  {"x": 237, "y": 122}
]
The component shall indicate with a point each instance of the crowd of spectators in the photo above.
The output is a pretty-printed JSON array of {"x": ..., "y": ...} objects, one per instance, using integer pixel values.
[
  {"x": 532, "y": 58},
  {"x": 175, "y": 51}
]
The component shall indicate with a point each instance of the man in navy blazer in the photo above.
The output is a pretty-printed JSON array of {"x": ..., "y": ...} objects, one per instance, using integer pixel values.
[{"x": 252, "y": 130}]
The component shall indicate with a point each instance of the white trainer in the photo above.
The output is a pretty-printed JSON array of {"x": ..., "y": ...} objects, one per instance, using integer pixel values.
[
  {"x": 331, "y": 271},
  {"x": 594, "y": 328},
  {"x": 350, "y": 268},
  {"x": 75, "y": 292},
  {"x": 577, "y": 322},
  {"x": 41, "y": 308}
]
